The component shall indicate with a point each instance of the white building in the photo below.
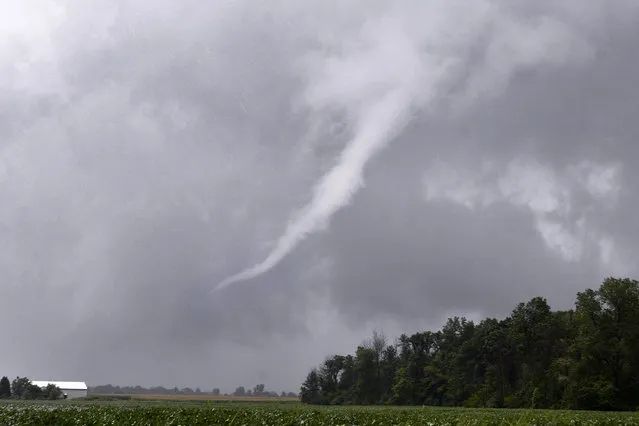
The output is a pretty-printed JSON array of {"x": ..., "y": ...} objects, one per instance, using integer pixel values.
[{"x": 69, "y": 389}]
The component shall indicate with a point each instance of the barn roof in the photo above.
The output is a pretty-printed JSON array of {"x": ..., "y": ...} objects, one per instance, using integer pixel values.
[{"x": 61, "y": 385}]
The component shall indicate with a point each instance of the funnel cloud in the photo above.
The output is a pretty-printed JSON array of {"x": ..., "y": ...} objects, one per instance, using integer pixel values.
[
  {"x": 379, "y": 85},
  {"x": 337, "y": 187}
]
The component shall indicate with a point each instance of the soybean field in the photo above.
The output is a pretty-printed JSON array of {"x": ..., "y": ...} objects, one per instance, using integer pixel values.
[{"x": 176, "y": 413}]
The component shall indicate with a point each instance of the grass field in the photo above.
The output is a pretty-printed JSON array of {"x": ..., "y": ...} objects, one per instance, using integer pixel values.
[{"x": 217, "y": 412}]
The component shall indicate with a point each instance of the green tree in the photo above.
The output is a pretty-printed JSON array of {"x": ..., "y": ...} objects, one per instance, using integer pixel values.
[
  {"x": 366, "y": 383},
  {"x": 310, "y": 389},
  {"x": 348, "y": 376},
  {"x": 534, "y": 336},
  {"x": 259, "y": 390},
  {"x": 52, "y": 392},
  {"x": 387, "y": 371},
  {"x": 19, "y": 387},
  {"x": 457, "y": 360},
  {"x": 586, "y": 358},
  {"x": 5, "y": 387},
  {"x": 605, "y": 350},
  {"x": 32, "y": 391}
]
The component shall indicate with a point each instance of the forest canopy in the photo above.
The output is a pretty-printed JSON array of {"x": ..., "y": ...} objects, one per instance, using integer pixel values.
[{"x": 583, "y": 358}]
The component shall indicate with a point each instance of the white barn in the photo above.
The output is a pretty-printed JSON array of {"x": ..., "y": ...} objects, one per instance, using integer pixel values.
[{"x": 69, "y": 389}]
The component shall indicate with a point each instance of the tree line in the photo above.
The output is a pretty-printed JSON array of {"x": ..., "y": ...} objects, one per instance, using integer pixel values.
[
  {"x": 257, "y": 391},
  {"x": 140, "y": 390},
  {"x": 22, "y": 388},
  {"x": 583, "y": 358},
  {"x": 261, "y": 391}
]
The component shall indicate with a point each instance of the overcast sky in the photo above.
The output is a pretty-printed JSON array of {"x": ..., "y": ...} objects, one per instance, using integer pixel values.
[{"x": 378, "y": 164}]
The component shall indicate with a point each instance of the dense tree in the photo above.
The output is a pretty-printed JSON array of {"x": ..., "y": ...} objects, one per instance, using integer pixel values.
[
  {"x": 5, "y": 387},
  {"x": 19, "y": 387},
  {"x": 52, "y": 392},
  {"x": 22, "y": 388},
  {"x": 310, "y": 390},
  {"x": 586, "y": 358}
]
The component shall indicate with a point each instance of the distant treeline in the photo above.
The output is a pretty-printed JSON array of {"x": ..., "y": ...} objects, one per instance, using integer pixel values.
[
  {"x": 257, "y": 391},
  {"x": 584, "y": 358},
  {"x": 22, "y": 388}
]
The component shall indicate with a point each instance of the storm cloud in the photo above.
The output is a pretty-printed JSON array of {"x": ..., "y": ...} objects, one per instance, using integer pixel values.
[{"x": 405, "y": 161}]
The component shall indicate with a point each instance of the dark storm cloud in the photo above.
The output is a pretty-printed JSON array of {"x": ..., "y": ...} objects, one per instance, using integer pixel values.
[{"x": 151, "y": 149}]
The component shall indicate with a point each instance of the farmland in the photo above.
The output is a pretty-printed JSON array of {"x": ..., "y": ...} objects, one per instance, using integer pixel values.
[{"x": 229, "y": 413}]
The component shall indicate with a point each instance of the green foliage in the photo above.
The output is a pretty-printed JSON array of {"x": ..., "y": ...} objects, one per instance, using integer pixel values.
[
  {"x": 310, "y": 390},
  {"x": 52, "y": 392},
  {"x": 22, "y": 388},
  {"x": 121, "y": 414},
  {"x": 586, "y": 358},
  {"x": 32, "y": 391},
  {"x": 5, "y": 387}
]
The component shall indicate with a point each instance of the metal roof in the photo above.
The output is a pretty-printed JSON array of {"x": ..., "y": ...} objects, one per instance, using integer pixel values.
[{"x": 61, "y": 385}]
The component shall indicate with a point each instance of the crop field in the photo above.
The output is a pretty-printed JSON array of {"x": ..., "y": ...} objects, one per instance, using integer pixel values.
[{"x": 209, "y": 413}]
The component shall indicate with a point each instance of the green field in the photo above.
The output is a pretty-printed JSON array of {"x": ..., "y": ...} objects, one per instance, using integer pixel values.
[{"x": 220, "y": 413}]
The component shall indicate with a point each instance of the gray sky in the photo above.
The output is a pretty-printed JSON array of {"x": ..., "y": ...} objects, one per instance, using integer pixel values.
[{"x": 392, "y": 162}]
